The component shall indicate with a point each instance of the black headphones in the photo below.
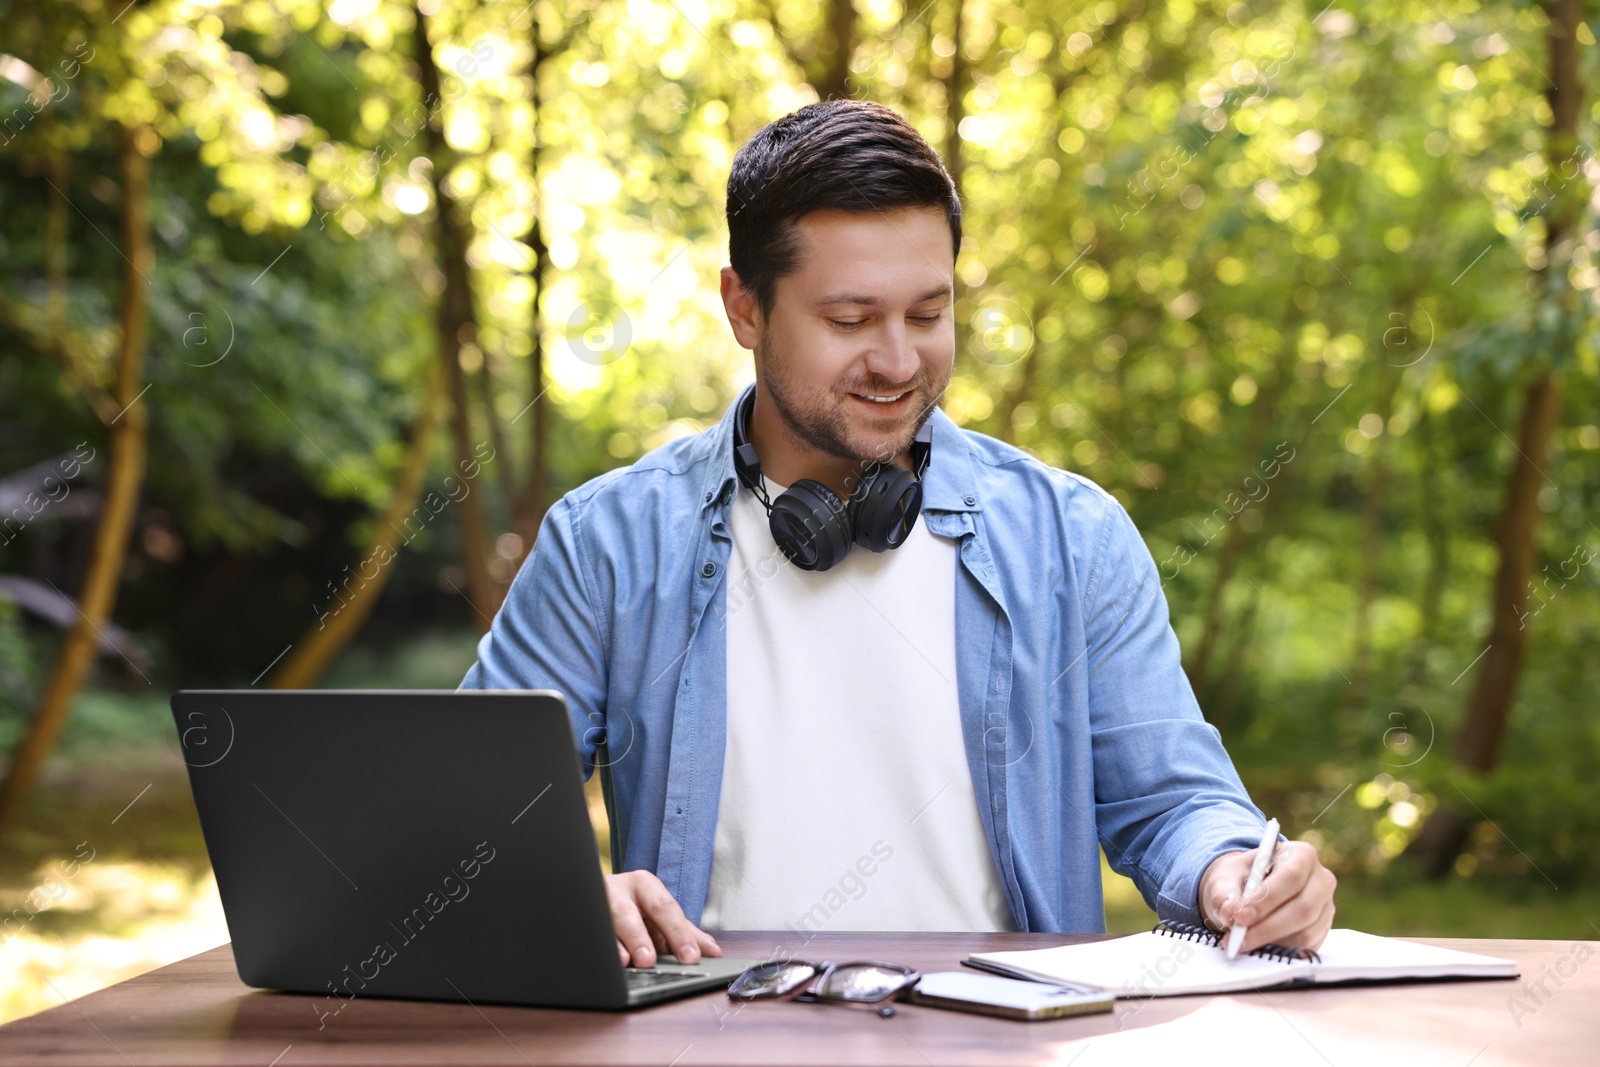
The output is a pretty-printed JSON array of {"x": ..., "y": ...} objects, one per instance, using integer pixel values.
[{"x": 812, "y": 526}]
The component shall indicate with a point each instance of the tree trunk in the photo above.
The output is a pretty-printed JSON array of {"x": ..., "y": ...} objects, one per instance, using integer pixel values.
[
  {"x": 505, "y": 469},
  {"x": 321, "y": 643},
  {"x": 535, "y": 497},
  {"x": 1211, "y": 622},
  {"x": 1489, "y": 705},
  {"x": 825, "y": 61},
  {"x": 1494, "y": 689},
  {"x": 838, "y": 46},
  {"x": 1478, "y": 745},
  {"x": 124, "y": 478},
  {"x": 457, "y": 325}
]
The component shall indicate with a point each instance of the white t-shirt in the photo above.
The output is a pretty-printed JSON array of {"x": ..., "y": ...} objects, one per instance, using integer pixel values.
[{"x": 847, "y": 802}]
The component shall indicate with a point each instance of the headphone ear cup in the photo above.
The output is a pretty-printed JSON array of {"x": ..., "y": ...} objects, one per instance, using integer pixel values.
[
  {"x": 811, "y": 525},
  {"x": 885, "y": 506}
]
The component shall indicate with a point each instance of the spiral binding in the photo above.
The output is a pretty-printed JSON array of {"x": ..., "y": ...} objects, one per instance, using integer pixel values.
[{"x": 1192, "y": 932}]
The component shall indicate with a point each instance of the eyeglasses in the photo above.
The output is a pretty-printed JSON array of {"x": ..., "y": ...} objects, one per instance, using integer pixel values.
[{"x": 861, "y": 982}]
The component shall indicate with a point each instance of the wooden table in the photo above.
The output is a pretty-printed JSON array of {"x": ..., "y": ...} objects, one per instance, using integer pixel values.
[{"x": 197, "y": 1011}]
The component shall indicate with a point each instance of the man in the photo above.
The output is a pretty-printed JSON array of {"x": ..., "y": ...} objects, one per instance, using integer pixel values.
[{"x": 938, "y": 734}]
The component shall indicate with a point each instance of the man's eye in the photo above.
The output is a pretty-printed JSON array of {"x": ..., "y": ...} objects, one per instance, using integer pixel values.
[
  {"x": 927, "y": 320},
  {"x": 848, "y": 324}
]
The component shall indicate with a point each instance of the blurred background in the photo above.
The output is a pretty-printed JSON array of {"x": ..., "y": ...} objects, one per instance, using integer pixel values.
[{"x": 307, "y": 312}]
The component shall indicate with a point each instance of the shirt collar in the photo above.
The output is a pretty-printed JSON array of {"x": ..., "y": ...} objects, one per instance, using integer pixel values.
[{"x": 950, "y": 483}]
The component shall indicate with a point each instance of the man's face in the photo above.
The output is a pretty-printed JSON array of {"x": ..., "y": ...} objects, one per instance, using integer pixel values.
[{"x": 858, "y": 348}]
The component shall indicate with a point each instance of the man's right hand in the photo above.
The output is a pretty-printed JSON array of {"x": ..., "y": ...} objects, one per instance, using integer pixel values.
[{"x": 650, "y": 923}]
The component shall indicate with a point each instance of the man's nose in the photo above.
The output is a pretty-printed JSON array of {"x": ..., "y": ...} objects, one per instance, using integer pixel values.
[{"x": 892, "y": 357}]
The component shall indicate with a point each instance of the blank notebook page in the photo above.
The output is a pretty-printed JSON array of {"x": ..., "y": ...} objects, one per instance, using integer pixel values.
[
  {"x": 1158, "y": 965},
  {"x": 1351, "y": 954},
  {"x": 1149, "y": 965}
]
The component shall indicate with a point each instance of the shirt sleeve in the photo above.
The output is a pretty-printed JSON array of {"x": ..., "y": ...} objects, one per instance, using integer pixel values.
[
  {"x": 1167, "y": 798},
  {"x": 547, "y": 636}
]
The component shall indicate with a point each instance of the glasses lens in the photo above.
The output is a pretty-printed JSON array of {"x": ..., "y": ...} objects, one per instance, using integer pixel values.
[
  {"x": 863, "y": 981},
  {"x": 772, "y": 979}
]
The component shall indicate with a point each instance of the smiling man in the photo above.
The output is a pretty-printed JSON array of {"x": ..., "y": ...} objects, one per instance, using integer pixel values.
[{"x": 844, "y": 665}]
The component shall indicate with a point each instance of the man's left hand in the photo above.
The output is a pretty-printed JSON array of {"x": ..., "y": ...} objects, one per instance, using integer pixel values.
[{"x": 1293, "y": 907}]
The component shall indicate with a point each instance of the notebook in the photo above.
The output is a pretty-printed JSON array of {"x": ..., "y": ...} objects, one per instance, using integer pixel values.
[{"x": 1177, "y": 958}]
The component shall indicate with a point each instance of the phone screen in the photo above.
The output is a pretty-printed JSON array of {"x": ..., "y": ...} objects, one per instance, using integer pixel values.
[{"x": 991, "y": 994}]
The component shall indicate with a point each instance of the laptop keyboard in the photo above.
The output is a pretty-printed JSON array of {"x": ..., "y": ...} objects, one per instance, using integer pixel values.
[{"x": 638, "y": 979}]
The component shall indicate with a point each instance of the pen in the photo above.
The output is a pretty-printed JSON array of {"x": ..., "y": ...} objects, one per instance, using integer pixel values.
[{"x": 1258, "y": 870}]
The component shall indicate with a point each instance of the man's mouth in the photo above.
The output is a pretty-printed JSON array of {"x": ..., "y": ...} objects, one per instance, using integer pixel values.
[{"x": 891, "y": 398}]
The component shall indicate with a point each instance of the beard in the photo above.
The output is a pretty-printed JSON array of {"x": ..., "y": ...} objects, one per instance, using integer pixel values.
[{"x": 823, "y": 421}]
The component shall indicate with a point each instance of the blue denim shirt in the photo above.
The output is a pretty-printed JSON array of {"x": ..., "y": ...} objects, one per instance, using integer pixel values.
[{"x": 1080, "y": 727}]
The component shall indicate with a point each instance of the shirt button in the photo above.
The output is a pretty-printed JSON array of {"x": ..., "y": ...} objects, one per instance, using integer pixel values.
[
  {"x": 709, "y": 496},
  {"x": 970, "y": 500},
  {"x": 708, "y": 570}
]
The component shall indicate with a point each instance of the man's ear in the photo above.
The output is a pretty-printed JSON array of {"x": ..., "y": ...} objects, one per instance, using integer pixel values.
[{"x": 744, "y": 313}]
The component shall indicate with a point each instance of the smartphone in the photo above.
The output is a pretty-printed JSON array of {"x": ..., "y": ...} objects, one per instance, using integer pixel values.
[{"x": 1007, "y": 997}]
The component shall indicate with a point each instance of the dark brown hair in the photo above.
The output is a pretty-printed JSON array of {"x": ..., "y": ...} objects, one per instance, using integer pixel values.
[{"x": 847, "y": 155}]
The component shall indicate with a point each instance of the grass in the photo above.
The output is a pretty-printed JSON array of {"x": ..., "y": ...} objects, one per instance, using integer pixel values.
[
  {"x": 1401, "y": 906},
  {"x": 1396, "y": 905}
]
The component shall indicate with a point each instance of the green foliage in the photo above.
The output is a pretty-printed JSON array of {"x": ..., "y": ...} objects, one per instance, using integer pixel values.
[{"x": 1205, "y": 241}]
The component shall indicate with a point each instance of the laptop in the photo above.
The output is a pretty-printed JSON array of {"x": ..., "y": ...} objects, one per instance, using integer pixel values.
[{"x": 429, "y": 845}]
